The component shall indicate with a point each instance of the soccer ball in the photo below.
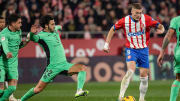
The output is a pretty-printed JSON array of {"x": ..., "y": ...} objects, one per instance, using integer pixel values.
[{"x": 129, "y": 98}]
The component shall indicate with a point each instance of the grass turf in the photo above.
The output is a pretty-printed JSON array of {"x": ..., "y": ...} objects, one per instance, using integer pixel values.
[{"x": 109, "y": 91}]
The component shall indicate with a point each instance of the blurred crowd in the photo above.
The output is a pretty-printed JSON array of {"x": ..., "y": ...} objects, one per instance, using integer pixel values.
[{"x": 85, "y": 15}]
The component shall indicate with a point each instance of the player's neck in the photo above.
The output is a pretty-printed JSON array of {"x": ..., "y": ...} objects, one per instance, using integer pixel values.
[
  {"x": 46, "y": 30},
  {"x": 134, "y": 19},
  {"x": 12, "y": 29}
]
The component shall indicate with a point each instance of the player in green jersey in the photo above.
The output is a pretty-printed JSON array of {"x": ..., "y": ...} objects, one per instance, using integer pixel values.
[
  {"x": 11, "y": 43},
  {"x": 2, "y": 26},
  {"x": 174, "y": 29},
  {"x": 57, "y": 64}
]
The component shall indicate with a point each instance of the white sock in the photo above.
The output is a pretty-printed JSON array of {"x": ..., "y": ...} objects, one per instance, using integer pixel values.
[
  {"x": 125, "y": 83},
  {"x": 6, "y": 84},
  {"x": 143, "y": 87}
]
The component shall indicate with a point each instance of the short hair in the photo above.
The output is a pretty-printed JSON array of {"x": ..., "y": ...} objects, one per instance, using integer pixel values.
[
  {"x": 1, "y": 17},
  {"x": 137, "y": 6},
  {"x": 45, "y": 20},
  {"x": 12, "y": 18}
]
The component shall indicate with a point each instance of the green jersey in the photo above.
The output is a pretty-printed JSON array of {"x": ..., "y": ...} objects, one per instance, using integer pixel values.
[
  {"x": 10, "y": 42},
  {"x": 51, "y": 44},
  {"x": 175, "y": 24}
]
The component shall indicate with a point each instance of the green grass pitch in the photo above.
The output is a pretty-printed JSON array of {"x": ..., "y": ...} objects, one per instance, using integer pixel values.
[{"x": 157, "y": 91}]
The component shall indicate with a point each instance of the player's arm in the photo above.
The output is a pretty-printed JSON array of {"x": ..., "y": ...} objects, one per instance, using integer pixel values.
[
  {"x": 154, "y": 23},
  {"x": 116, "y": 26},
  {"x": 33, "y": 36},
  {"x": 4, "y": 42},
  {"x": 166, "y": 40},
  {"x": 58, "y": 28},
  {"x": 25, "y": 42},
  {"x": 108, "y": 39}
]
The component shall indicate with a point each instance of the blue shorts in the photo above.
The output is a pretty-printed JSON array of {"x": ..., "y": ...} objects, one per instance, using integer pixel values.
[{"x": 140, "y": 56}]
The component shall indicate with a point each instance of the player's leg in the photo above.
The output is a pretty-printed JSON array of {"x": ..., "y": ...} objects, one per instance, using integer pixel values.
[
  {"x": 35, "y": 90},
  {"x": 12, "y": 77},
  {"x": 143, "y": 63},
  {"x": 47, "y": 77},
  {"x": 131, "y": 58},
  {"x": 2, "y": 79},
  {"x": 8, "y": 91},
  {"x": 131, "y": 65},
  {"x": 81, "y": 78},
  {"x": 11, "y": 98},
  {"x": 176, "y": 84},
  {"x": 143, "y": 82},
  {"x": 175, "y": 88}
]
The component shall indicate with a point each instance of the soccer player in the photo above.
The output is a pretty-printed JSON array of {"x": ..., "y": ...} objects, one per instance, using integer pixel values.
[
  {"x": 173, "y": 29},
  {"x": 11, "y": 43},
  {"x": 57, "y": 64},
  {"x": 137, "y": 32},
  {"x": 2, "y": 26}
]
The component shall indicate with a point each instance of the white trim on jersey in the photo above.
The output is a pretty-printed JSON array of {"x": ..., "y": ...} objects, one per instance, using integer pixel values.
[
  {"x": 144, "y": 28},
  {"x": 127, "y": 31}
]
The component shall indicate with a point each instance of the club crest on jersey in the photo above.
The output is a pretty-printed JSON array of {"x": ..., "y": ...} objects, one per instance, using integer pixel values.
[
  {"x": 3, "y": 38},
  {"x": 136, "y": 33}
]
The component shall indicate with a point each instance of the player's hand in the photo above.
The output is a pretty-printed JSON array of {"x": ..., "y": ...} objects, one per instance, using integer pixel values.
[
  {"x": 160, "y": 59},
  {"x": 33, "y": 29},
  {"x": 106, "y": 47},
  {"x": 159, "y": 31},
  {"x": 9, "y": 55}
]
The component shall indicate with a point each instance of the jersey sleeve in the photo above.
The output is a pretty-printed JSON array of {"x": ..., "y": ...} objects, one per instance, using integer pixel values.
[
  {"x": 4, "y": 42},
  {"x": 58, "y": 28},
  {"x": 173, "y": 24},
  {"x": 119, "y": 24},
  {"x": 150, "y": 22},
  {"x": 34, "y": 37}
]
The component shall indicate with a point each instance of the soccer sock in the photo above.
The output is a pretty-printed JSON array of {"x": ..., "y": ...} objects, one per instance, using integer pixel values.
[
  {"x": 143, "y": 87},
  {"x": 28, "y": 95},
  {"x": 125, "y": 82},
  {"x": 81, "y": 79},
  {"x": 174, "y": 90},
  {"x": 1, "y": 92},
  {"x": 6, "y": 84},
  {"x": 7, "y": 92}
]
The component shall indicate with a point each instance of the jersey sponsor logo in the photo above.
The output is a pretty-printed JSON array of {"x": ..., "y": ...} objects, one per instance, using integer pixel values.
[
  {"x": 136, "y": 33},
  {"x": 3, "y": 38}
]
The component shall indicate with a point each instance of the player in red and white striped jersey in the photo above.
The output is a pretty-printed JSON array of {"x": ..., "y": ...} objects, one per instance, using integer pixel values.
[{"x": 137, "y": 32}]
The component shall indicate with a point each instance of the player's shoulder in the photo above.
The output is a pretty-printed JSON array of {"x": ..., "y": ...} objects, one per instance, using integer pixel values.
[
  {"x": 176, "y": 18},
  {"x": 5, "y": 30},
  {"x": 147, "y": 16}
]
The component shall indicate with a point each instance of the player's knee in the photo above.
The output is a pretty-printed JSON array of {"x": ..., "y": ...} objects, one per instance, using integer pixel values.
[
  {"x": 83, "y": 68},
  {"x": 144, "y": 74}
]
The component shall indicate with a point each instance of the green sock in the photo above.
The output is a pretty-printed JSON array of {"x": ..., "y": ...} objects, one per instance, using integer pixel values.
[
  {"x": 81, "y": 79},
  {"x": 28, "y": 95},
  {"x": 1, "y": 92},
  {"x": 7, "y": 92},
  {"x": 174, "y": 90}
]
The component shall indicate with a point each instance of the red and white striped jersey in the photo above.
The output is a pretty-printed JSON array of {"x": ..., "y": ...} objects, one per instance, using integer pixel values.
[{"x": 137, "y": 33}]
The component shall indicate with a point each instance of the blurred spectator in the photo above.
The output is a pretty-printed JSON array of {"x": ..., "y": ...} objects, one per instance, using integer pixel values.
[{"x": 86, "y": 15}]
